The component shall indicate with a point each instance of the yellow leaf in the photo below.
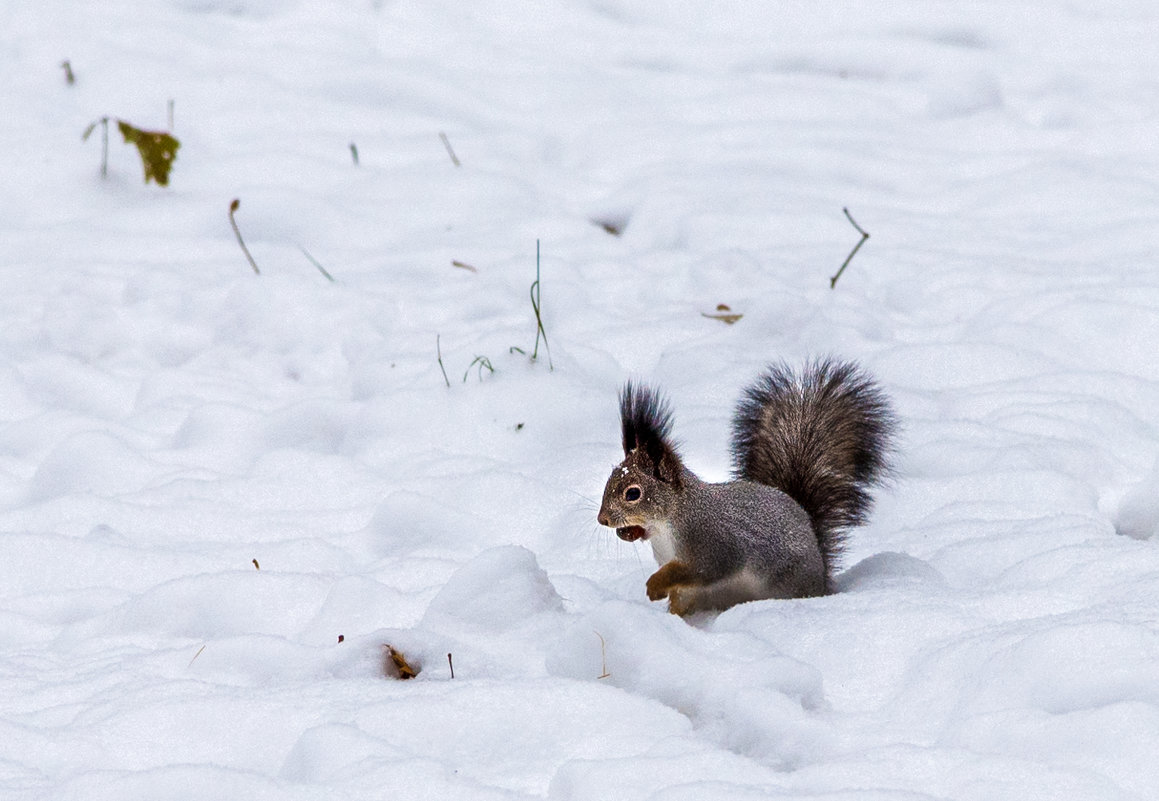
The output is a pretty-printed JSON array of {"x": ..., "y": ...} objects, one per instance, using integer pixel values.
[
  {"x": 158, "y": 151},
  {"x": 395, "y": 665}
]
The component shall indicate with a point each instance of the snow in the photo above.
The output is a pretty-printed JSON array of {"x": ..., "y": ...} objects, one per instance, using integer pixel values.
[{"x": 221, "y": 494}]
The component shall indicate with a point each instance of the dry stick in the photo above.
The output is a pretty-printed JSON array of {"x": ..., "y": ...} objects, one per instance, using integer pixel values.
[
  {"x": 603, "y": 657},
  {"x": 354, "y": 153},
  {"x": 462, "y": 265},
  {"x": 232, "y": 208},
  {"x": 194, "y": 659},
  {"x": 852, "y": 253},
  {"x": 452, "y": 664},
  {"x": 314, "y": 261},
  {"x": 439, "y": 350},
  {"x": 450, "y": 152},
  {"x": 68, "y": 76}
]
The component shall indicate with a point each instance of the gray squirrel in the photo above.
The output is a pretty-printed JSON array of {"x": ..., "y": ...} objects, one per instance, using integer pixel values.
[{"x": 806, "y": 449}]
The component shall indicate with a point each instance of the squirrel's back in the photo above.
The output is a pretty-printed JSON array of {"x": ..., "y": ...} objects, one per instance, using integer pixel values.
[{"x": 821, "y": 436}]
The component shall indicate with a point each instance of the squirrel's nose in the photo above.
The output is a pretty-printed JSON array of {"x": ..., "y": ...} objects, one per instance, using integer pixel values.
[{"x": 602, "y": 518}]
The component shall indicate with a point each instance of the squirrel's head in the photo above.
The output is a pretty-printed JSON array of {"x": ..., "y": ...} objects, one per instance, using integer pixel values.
[
  {"x": 636, "y": 497},
  {"x": 645, "y": 488}
]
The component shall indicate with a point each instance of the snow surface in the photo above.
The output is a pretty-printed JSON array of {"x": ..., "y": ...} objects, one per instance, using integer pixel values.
[{"x": 208, "y": 477}]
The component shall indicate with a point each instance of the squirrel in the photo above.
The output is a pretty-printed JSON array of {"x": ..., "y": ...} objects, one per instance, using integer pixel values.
[{"x": 806, "y": 450}]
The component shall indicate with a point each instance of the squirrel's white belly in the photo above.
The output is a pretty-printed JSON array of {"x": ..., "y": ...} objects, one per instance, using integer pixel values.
[{"x": 663, "y": 542}]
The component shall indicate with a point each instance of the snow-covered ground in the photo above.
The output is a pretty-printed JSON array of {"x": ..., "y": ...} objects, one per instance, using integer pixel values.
[{"x": 207, "y": 477}]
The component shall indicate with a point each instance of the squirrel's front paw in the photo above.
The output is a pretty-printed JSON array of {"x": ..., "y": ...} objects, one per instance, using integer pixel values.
[
  {"x": 668, "y": 576},
  {"x": 657, "y": 587}
]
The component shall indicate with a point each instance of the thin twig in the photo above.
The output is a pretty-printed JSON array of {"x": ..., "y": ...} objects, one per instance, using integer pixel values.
[
  {"x": 314, "y": 261},
  {"x": 69, "y": 78},
  {"x": 539, "y": 329},
  {"x": 452, "y": 664},
  {"x": 852, "y": 253},
  {"x": 194, "y": 659},
  {"x": 233, "y": 206},
  {"x": 450, "y": 151},
  {"x": 439, "y": 350},
  {"x": 354, "y": 153},
  {"x": 462, "y": 265},
  {"x": 603, "y": 658}
]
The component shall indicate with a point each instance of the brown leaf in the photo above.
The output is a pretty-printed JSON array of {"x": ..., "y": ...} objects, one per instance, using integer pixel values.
[
  {"x": 395, "y": 665},
  {"x": 612, "y": 225}
]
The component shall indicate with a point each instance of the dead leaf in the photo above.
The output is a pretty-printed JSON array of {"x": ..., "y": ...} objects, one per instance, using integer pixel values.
[
  {"x": 612, "y": 225},
  {"x": 158, "y": 151},
  {"x": 395, "y": 665}
]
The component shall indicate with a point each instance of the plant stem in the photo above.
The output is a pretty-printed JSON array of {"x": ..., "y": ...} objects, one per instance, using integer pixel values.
[
  {"x": 314, "y": 261},
  {"x": 439, "y": 351},
  {"x": 233, "y": 206},
  {"x": 539, "y": 329},
  {"x": 482, "y": 361}
]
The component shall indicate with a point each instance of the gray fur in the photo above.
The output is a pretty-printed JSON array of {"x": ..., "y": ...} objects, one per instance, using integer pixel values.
[
  {"x": 807, "y": 448},
  {"x": 738, "y": 525}
]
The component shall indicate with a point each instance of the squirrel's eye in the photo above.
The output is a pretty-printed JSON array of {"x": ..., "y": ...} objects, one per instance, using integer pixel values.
[{"x": 632, "y": 494}]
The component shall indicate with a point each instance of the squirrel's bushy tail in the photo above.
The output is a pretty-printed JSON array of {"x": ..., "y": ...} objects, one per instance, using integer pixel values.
[{"x": 822, "y": 437}]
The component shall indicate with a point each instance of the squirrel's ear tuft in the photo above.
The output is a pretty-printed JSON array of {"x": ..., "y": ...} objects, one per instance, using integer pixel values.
[
  {"x": 644, "y": 417},
  {"x": 646, "y": 424}
]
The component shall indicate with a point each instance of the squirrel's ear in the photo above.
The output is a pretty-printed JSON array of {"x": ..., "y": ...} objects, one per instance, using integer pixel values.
[
  {"x": 668, "y": 467},
  {"x": 646, "y": 424}
]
